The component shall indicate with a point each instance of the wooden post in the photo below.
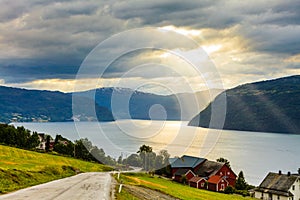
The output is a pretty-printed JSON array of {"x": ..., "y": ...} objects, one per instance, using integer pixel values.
[{"x": 120, "y": 188}]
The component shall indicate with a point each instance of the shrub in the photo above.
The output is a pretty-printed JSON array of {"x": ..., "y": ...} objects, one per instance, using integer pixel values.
[
  {"x": 242, "y": 192},
  {"x": 229, "y": 190}
]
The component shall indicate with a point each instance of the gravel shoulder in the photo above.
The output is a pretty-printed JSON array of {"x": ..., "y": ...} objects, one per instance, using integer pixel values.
[{"x": 147, "y": 194}]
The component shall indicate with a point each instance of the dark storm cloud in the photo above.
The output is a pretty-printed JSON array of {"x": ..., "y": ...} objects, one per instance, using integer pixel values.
[
  {"x": 198, "y": 14},
  {"x": 43, "y": 38}
]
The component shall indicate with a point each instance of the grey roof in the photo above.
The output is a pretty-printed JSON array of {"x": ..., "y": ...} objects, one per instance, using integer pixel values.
[
  {"x": 277, "y": 184},
  {"x": 209, "y": 168},
  {"x": 186, "y": 162},
  {"x": 181, "y": 171}
]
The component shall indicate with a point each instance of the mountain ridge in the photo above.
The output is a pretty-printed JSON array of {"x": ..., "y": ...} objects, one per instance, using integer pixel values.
[
  {"x": 22, "y": 105},
  {"x": 25, "y": 105},
  {"x": 264, "y": 106}
]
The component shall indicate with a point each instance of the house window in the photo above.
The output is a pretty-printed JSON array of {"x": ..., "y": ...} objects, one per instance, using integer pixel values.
[
  {"x": 228, "y": 173},
  {"x": 202, "y": 184},
  {"x": 293, "y": 188},
  {"x": 278, "y": 197}
]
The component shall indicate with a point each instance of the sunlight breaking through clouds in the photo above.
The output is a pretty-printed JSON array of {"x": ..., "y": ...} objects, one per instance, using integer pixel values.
[{"x": 48, "y": 40}]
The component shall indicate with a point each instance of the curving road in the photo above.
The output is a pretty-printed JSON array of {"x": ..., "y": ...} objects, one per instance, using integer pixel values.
[{"x": 86, "y": 186}]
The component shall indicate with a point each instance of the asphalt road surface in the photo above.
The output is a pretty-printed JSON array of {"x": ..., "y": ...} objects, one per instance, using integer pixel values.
[{"x": 86, "y": 186}]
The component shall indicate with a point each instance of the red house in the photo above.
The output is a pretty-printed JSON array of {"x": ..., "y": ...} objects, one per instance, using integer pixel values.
[
  {"x": 198, "y": 182},
  {"x": 200, "y": 171},
  {"x": 210, "y": 168},
  {"x": 217, "y": 183}
]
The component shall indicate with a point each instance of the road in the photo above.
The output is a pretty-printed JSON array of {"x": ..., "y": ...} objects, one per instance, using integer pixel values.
[{"x": 86, "y": 186}]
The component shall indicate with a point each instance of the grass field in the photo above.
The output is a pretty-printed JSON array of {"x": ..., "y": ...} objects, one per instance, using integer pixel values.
[
  {"x": 124, "y": 195},
  {"x": 175, "y": 189},
  {"x": 20, "y": 168}
]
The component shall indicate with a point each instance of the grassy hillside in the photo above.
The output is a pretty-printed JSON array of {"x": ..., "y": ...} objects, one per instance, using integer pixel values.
[
  {"x": 20, "y": 168},
  {"x": 175, "y": 189},
  {"x": 267, "y": 106}
]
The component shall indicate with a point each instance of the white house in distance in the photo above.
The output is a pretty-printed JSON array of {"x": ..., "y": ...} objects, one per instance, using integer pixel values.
[{"x": 278, "y": 186}]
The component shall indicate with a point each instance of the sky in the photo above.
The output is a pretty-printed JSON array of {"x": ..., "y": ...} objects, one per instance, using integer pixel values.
[{"x": 46, "y": 44}]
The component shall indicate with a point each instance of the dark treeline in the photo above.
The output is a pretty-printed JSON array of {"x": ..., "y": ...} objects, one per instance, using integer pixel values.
[
  {"x": 81, "y": 149},
  {"x": 18, "y": 137}
]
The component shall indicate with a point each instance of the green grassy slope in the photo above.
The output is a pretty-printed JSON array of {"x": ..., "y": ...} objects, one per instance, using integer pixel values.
[
  {"x": 175, "y": 189},
  {"x": 20, "y": 168}
]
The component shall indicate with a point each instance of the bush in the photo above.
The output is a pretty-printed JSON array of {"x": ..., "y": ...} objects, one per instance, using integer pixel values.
[
  {"x": 183, "y": 179},
  {"x": 242, "y": 192},
  {"x": 229, "y": 190}
]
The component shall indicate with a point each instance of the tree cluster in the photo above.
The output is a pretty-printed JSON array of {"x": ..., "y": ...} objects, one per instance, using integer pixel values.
[
  {"x": 154, "y": 162},
  {"x": 18, "y": 137},
  {"x": 81, "y": 149}
]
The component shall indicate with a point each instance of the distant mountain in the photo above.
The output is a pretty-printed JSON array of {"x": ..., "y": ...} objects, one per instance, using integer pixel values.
[
  {"x": 128, "y": 104},
  {"x": 268, "y": 106},
  {"x": 21, "y": 105},
  {"x": 35, "y": 105}
]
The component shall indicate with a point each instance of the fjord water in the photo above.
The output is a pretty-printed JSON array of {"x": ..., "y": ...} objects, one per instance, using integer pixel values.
[{"x": 255, "y": 153}]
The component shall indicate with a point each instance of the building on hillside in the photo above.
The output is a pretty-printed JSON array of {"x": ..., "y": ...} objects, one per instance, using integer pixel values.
[
  {"x": 278, "y": 186},
  {"x": 43, "y": 139},
  {"x": 198, "y": 182},
  {"x": 215, "y": 176},
  {"x": 185, "y": 162},
  {"x": 211, "y": 168},
  {"x": 180, "y": 173},
  {"x": 217, "y": 183}
]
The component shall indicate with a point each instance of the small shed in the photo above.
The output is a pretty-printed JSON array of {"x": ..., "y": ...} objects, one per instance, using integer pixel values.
[{"x": 198, "y": 182}]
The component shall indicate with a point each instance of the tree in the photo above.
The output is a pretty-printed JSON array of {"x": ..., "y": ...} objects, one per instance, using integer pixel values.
[
  {"x": 162, "y": 164},
  {"x": 166, "y": 156},
  {"x": 144, "y": 152},
  {"x": 47, "y": 145},
  {"x": 158, "y": 162},
  {"x": 33, "y": 141},
  {"x": 120, "y": 159},
  {"x": 133, "y": 160},
  {"x": 83, "y": 148},
  {"x": 241, "y": 183},
  {"x": 144, "y": 148},
  {"x": 98, "y": 154},
  {"x": 224, "y": 160}
]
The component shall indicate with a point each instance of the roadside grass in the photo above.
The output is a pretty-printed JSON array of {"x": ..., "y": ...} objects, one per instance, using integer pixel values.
[
  {"x": 175, "y": 189},
  {"x": 21, "y": 168},
  {"x": 124, "y": 195}
]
